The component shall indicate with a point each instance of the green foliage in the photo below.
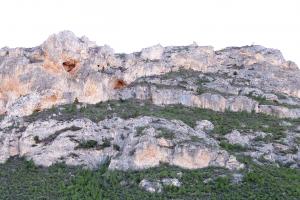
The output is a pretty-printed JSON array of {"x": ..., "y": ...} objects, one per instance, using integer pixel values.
[
  {"x": 196, "y": 139},
  {"x": 224, "y": 122},
  {"x": 232, "y": 147},
  {"x": 200, "y": 90},
  {"x": 140, "y": 130},
  {"x": 261, "y": 100},
  {"x": 183, "y": 73},
  {"x": 203, "y": 80},
  {"x": 105, "y": 143},
  {"x": 20, "y": 179},
  {"x": 52, "y": 137},
  {"x": 1, "y": 117},
  {"x": 297, "y": 140},
  {"x": 87, "y": 144},
  {"x": 165, "y": 133}
]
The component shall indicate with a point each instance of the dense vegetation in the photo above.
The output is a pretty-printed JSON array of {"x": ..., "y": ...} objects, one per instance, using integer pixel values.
[{"x": 22, "y": 180}]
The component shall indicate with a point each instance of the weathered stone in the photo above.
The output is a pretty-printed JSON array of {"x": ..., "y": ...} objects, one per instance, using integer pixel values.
[
  {"x": 235, "y": 137},
  {"x": 151, "y": 186},
  {"x": 171, "y": 182},
  {"x": 241, "y": 103},
  {"x": 152, "y": 53},
  {"x": 204, "y": 125},
  {"x": 279, "y": 111},
  {"x": 48, "y": 142},
  {"x": 66, "y": 69}
]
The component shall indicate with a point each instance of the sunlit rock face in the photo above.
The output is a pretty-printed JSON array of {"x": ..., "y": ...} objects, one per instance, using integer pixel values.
[{"x": 66, "y": 69}]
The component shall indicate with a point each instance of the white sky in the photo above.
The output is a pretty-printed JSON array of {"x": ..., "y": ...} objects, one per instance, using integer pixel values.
[{"x": 129, "y": 25}]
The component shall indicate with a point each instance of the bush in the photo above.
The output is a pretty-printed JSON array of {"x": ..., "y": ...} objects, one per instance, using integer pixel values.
[
  {"x": 87, "y": 144},
  {"x": 20, "y": 179}
]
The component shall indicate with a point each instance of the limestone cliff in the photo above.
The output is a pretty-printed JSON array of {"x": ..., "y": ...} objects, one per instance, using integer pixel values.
[{"x": 66, "y": 70}]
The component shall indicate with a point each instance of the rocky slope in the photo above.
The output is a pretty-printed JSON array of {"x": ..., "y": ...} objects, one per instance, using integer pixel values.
[{"x": 69, "y": 100}]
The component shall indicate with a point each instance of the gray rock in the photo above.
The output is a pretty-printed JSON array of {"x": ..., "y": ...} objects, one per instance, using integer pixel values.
[
  {"x": 237, "y": 178},
  {"x": 171, "y": 182},
  {"x": 50, "y": 141},
  {"x": 235, "y": 137},
  {"x": 152, "y": 53},
  {"x": 204, "y": 125},
  {"x": 66, "y": 68},
  {"x": 151, "y": 186}
]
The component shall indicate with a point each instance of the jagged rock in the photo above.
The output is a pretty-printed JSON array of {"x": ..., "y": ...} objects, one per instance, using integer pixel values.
[
  {"x": 83, "y": 142},
  {"x": 171, "y": 182},
  {"x": 204, "y": 125},
  {"x": 150, "y": 186},
  {"x": 235, "y": 137},
  {"x": 65, "y": 67},
  {"x": 65, "y": 49}
]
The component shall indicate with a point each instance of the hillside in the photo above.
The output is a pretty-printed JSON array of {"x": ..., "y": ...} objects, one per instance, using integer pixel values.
[{"x": 79, "y": 121}]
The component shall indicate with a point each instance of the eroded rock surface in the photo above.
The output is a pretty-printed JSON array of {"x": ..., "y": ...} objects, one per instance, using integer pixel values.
[
  {"x": 137, "y": 143},
  {"x": 66, "y": 69}
]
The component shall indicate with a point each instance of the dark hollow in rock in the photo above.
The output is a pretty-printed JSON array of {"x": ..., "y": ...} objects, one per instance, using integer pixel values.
[
  {"x": 70, "y": 65},
  {"x": 119, "y": 84}
]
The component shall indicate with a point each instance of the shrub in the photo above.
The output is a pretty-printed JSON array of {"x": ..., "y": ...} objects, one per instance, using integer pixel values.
[{"x": 87, "y": 144}]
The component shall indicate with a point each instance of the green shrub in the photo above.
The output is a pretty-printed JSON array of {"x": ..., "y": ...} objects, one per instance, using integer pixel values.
[
  {"x": 87, "y": 144},
  {"x": 22, "y": 180},
  {"x": 232, "y": 147},
  {"x": 165, "y": 133}
]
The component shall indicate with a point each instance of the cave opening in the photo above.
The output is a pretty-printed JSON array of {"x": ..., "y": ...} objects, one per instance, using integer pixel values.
[{"x": 69, "y": 65}]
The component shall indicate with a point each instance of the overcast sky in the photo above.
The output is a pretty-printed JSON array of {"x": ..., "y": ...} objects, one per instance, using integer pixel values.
[{"x": 129, "y": 25}]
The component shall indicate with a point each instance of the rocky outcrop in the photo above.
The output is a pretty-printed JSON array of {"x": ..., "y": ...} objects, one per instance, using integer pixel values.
[
  {"x": 65, "y": 68},
  {"x": 207, "y": 100},
  {"x": 136, "y": 143}
]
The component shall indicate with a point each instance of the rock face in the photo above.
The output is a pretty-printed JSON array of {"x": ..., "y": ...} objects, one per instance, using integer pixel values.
[
  {"x": 129, "y": 144},
  {"x": 66, "y": 69},
  {"x": 235, "y": 137}
]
